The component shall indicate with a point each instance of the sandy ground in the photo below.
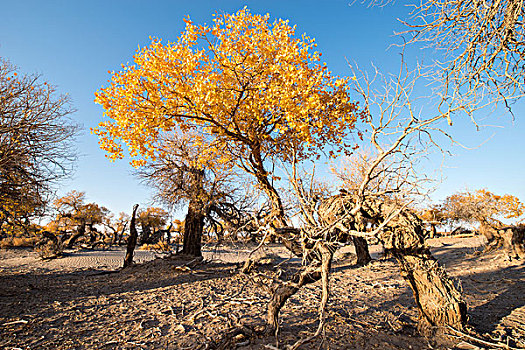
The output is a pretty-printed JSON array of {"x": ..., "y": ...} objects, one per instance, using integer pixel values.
[{"x": 76, "y": 302}]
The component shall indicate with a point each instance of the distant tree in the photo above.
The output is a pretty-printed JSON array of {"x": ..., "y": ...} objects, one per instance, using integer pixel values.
[
  {"x": 191, "y": 171},
  {"x": 483, "y": 208},
  {"x": 78, "y": 218},
  {"x": 433, "y": 216},
  {"x": 117, "y": 225},
  {"x": 151, "y": 220},
  {"x": 36, "y": 145}
]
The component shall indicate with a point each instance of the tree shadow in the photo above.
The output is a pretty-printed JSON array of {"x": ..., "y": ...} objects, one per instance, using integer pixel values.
[
  {"x": 503, "y": 290},
  {"x": 493, "y": 295},
  {"x": 31, "y": 292}
]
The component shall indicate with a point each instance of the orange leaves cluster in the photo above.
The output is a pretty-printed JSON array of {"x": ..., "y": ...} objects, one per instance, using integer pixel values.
[
  {"x": 482, "y": 206},
  {"x": 243, "y": 83}
]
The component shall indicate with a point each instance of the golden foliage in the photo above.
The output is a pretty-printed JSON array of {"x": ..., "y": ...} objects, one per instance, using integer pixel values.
[
  {"x": 482, "y": 206},
  {"x": 245, "y": 84}
]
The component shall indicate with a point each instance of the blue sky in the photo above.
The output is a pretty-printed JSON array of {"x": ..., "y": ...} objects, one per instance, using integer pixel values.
[{"x": 73, "y": 44}]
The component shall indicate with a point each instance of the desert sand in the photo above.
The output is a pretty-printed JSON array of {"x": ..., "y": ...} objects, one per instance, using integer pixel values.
[{"x": 83, "y": 301}]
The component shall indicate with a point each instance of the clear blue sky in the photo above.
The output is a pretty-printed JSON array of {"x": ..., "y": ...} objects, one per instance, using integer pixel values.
[{"x": 74, "y": 43}]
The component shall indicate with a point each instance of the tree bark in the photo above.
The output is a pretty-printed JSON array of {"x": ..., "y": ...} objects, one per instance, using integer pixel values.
[
  {"x": 193, "y": 228},
  {"x": 437, "y": 298},
  {"x": 313, "y": 273},
  {"x": 194, "y": 221},
  {"x": 284, "y": 292},
  {"x": 361, "y": 249},
  {"x": 513, "y": 241},
  {"x": 132, "y": 239}
]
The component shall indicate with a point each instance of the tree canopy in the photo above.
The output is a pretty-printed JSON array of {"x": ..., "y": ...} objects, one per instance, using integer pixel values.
[
  {"x": 36, "y": 148},
  {"x": 482, "y": 207},
  {"x": 246, "y": 83}
]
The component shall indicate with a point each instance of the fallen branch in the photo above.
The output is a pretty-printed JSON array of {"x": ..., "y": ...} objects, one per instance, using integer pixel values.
[
  {"x": 15, "y": 322},
  {"x": 484, "y": 342}
]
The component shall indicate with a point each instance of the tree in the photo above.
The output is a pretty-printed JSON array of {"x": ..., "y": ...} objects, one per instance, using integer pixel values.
[
  {"x": 192, "y": 172},
  {"x": 486, "y": 209},
  {"x": 132, "y": 240},
  {"x": 260, "y": 98},
  {"x": 151, "y": 220},
  {"x": 483, "y": 44},
  {"x": 117, "y": 226},
  {"x": 256, "y": 94},
  {"x": 78, "y": 217},
  {"x": 36, "y": 145},
  {"x": 247, "y": 85}
]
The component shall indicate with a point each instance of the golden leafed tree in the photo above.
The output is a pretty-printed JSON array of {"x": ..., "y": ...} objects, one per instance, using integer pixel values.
[
  {"x": 248, "y": 85},
  {"x": 487, "y": 210}
]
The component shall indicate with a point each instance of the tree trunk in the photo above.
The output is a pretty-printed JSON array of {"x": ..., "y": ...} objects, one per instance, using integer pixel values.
[
  {"x": 513, "y": 241},
  {"x": 145, "y": 237},
  {"x": 433, "y": 231},
  {"x": 121, "y": 235},
  {"x": 132, "y": 239},
  {"x": 81, "y": 230},
  {"x": 193, "y": 228},
  {"x": 361, "y": 249},
  {"x": 310, "y": 274},
  {"x": 437, "y": 298},
  {"x": 284, "y": 292}
]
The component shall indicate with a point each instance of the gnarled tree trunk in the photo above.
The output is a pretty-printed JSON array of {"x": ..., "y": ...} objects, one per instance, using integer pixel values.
[
  {"x": 314, "y": 272},
  {"x": 513, "y": 241},
  {"x": 437, "y": 298},
  {"x": 361, "y": 249},
  {"x": 194, "y": 221},
  {"x": 81, "y": 230}
]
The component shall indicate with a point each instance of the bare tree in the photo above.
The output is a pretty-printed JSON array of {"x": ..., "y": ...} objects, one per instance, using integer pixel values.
[
  {"x": 36, "y": 143},
  {"x": 381, "y": 185},
  {"x": 483, "y": 44}
]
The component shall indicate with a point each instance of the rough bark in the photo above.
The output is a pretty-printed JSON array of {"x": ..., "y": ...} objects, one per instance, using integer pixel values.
[
  {"x": 513, "y": 241},
  {"x": 437, "y": 297},
  {"x": 284, "y": 292},
  {"x": 193, "y": 228},
  {"x": 132, "y": 239},
  {"x": 361, "y": 249},
  {"x": 194, "y": 221},
  {"x": 310, "y": 274}
]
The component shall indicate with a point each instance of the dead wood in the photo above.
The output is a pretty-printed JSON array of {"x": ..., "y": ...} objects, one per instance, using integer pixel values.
[{"x": 132, "y": 239}]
